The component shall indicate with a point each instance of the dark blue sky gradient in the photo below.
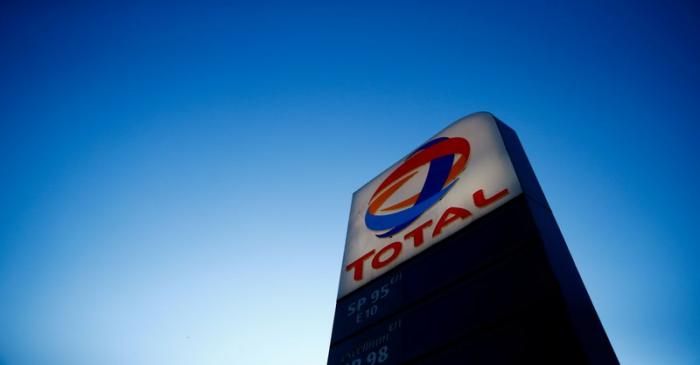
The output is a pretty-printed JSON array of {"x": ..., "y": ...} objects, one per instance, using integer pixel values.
[{"x": 175, "y": 178}]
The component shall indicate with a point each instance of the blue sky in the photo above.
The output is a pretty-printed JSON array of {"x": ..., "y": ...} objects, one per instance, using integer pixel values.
[{"x": 175, "y": 178}]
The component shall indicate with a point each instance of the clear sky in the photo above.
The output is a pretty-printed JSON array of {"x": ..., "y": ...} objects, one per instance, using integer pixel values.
[{"x": 175, "y": 179}]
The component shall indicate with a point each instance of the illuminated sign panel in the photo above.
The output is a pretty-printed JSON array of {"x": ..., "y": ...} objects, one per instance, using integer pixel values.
[{"x": 461, "y": 174}]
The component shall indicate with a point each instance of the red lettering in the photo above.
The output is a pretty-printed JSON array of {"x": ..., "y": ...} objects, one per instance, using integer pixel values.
[
  {"x": 378, "y": 262},
  {"x": 450, "y": 215},
  {"x": 417, "y": 234},
  {"x": 481, "y": 201},
  {"x": 358, "y": 266}
]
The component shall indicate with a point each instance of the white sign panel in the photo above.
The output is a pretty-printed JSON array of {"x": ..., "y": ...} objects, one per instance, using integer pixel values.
[{"x": 456, "y": 177}]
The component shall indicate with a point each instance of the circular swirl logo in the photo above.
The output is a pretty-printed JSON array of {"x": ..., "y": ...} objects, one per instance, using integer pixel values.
[{"x": 441, "y": 154}]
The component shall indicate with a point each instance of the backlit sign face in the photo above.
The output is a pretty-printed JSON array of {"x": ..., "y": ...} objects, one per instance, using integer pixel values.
[{"x": 459, "y": 175}]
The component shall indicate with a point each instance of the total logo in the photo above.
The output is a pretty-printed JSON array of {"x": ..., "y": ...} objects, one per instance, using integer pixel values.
[
  {"x": 440, "y": 154},
  {"x": 447, "y": 159}
]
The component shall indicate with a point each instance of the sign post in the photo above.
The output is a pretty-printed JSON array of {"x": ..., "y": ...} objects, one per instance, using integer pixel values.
[{"x": 453, "y": 256}]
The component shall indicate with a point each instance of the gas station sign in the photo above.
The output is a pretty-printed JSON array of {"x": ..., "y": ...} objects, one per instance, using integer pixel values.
[{"x": 453, "y": 256}]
